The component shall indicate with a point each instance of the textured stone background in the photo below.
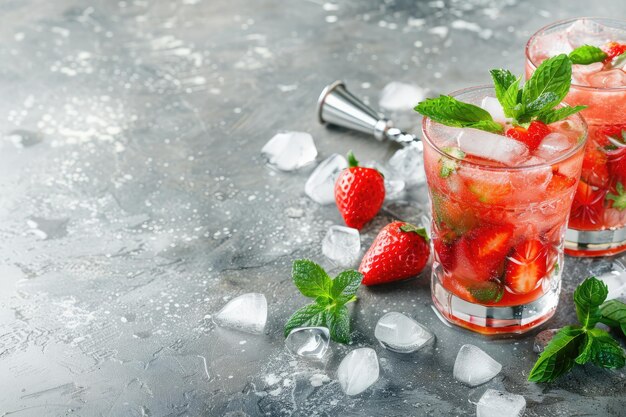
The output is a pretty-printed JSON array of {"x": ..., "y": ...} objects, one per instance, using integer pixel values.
[{"x": 134, "y": 203}]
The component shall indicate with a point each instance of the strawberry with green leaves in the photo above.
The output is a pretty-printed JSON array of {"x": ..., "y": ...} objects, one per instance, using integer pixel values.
[
  {"x": 400, "y": 251},
  {"x": 584, "y": 343},
  {"x": 359, "y": 193}
]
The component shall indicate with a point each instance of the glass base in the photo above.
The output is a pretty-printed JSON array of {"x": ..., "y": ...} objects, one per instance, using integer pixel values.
[
  {"x": 589, "y": 243},
  {"x": 491, "y": 320}
]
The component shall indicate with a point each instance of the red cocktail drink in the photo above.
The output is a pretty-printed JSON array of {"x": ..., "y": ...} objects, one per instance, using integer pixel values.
[
  {"x": 598, "y": 216},
  {"x": 500, "y": 209}
]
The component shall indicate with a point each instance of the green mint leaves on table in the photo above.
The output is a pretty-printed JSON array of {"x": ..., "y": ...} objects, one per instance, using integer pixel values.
[
  {"x": 536, "y": 100},
  {"x": 331, "y": 296},
  {"x": 587, "y": 54},
  {"x": 579, "y": 344}
]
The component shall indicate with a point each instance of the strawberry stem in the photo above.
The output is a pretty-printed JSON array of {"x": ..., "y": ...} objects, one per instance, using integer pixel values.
[
  {"x": 352, "y": 162},
  {"x": 408, "y": 227}
]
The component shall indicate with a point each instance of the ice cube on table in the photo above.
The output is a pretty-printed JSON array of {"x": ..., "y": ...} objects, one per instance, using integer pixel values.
[
  {"x": 491, "y": 146},
  {"x": 495, "y": 403},
  {"x": 394, "y": 188},
  {"x": 342, "y": 244},
  {"x": 407, "y": 164},
  {"x": 247, "y": 313},
  {"x": 589, "y": 32},
  {"x": 474, "y": 367},
  {"x": 613, "y": 274},
  {"x": 608, "y": 79},
  {"x": 290, "y": 150},
  {"x": 493, "y": 106},
  {"x": 308, "y": 342},
  {"x": 542, "y": 339},
  {"x": 402, "y": 334},
  {"x": 358, "y": 371},
  {"x": 398, "y": 96},
  {"x": 321, "y": 183}
]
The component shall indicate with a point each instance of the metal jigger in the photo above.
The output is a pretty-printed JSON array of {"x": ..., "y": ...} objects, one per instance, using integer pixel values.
[{"x": 337, "y": 106}]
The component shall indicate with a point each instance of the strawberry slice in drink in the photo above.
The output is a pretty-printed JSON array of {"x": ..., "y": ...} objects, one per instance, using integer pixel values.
[
  {"x": 474, "y": 291},
  {"x": 531, "y": 136},
  {"x": 481, "y": 252},
  {"x": 595, "y": 171},
  {"x": 587, "y": 206},
  {"x": 526, "y": 266}
]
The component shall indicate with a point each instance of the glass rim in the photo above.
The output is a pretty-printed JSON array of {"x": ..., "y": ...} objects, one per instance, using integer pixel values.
[
  {"x": 426, "y": 126},
  {"x": 561, "y": 23}
]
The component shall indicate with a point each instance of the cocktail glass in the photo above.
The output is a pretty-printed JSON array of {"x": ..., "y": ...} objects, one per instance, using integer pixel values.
[
  {"x": 497, "y": 210},
  {"x": 597, "y": 224}
]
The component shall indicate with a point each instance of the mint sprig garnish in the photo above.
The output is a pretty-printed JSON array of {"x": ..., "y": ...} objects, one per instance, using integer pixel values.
[
  {"x": 452, "y": 112},
  {"x": 583, "y": 343},
  {"x": 536, "y": 100},
  {"x": 587, "y": 54},
  {"x": 331, "y": 296}
]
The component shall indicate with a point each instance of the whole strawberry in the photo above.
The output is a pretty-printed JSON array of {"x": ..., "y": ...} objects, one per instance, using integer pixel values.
[
  {"x": 359, "y": 193},
  {"x": 400, "y": 250}
]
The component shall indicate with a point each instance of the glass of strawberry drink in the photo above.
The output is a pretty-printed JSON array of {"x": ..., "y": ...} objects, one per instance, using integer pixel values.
[
  {"x": 501, "y": 184},
  {"x": 597, "y": 224}
]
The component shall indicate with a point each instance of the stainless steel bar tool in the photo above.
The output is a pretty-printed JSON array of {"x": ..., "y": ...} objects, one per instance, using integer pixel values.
[{"x": 338, "y": 106}]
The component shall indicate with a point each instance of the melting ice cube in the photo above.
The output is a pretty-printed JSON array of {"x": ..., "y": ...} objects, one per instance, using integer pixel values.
[
  {"x": 290, "y": 150},
  {"x": 399, "y": 96},
  {"x": 247, "y": 313},
  {"x": 499, "y": 404},
  {"x": 491, "y": 146},
  {"x": 613, "y": 274},
  {"x": 308, "y": 342},
  {"x": 474, "y": 367},
  {"x": 402, "y": 334},
  {"x": 580, "y": 73},
  {"x": 321, "y": 183},
  {"x": 493, "y": 106},
  {"x": 608, "y": 79},
  {"x": 408, "y": 164},
  {"x": 542, "y": 339},
  {"x": 342, "y": 245},
  {"x": 358, "y": 371},
  {"x": 589, "y": 32}
]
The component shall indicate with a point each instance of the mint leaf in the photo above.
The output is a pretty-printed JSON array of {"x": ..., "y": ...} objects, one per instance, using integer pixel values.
[
  {"x": 587, "y": 350},
  {"x": 588, "y": 297},
  {"x": 452, "y": 112},
  {"x": 554, "y": 115},
  {"x": 510, "y": 100},
  {"x": 331, "y": 296},
  {"x": 338, "y": 323},
  {"x": 346, "y": 283},
  {"x": 559, "y": 356},
  {"x": 614, "y": 314},
  {"x": 310, "y": 278},
  {"x": 607, "y": 353},
  {"x": 311, "y": 315},
  {"x": 502, "y": 81},
  {"x": 554, "y": 75},
  {"x": 587, "y": 54},
  {"x": 619, "y": 199},
  {"x": 448, "y": 166}
]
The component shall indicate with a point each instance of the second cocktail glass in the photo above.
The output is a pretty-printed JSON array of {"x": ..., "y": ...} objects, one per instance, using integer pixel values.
[
  {"x": 597, "y": 224},
  {"x": 499, "y": 208}
]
